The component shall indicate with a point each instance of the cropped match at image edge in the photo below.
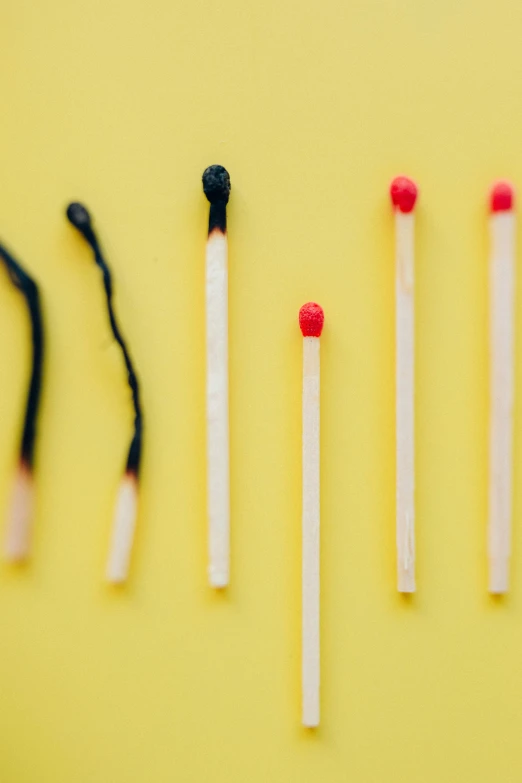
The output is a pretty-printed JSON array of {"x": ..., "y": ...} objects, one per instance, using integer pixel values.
[{"x": 21, "y": 509}]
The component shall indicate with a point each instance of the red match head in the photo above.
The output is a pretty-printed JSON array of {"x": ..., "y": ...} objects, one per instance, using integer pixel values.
[
  {"x": 311, "y": 319},
  {"x": 502, "y": 197},
  {"x": 403, "y": 192}
]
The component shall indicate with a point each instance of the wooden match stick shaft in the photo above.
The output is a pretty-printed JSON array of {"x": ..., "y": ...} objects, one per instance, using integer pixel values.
[
  {"x": 311, "y": 530},
  {"x": 123, "y": 530},
  {"x": 501, "y": 276},
  {"x": 18, "y": 534},
  {"x": 405, "y": 456},
  {"x": 217, "y": 409}
]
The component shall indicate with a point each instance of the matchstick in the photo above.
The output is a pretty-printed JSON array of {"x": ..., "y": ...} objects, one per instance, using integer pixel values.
[
  {"x": 502, "y": 381},
  {"x": 19, "y": 523},
  {"x": 311, "y": 319},
  {"x": 216, "y": 185},
  {"x": 127, "y": 497},
  {"x": 403, "y": 195}
]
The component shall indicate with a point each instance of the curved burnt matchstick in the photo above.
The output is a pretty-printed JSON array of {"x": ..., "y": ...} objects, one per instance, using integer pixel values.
[
  {"x": 20, "y": 514},
  {"x": 127, "y": 502}
]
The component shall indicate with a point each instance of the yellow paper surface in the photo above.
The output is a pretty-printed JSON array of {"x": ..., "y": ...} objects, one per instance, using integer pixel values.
[{"x": 313, "y": 107}]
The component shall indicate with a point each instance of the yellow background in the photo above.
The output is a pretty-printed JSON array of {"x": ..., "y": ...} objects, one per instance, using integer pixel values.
[{"x": 313, "y": 107}]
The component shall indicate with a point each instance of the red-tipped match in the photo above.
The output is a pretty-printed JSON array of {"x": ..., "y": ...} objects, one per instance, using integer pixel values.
[
  {"x": 502, "y": 197},
  {"x": 311, "y": 319},
  {"x": 403, "y": 192}
]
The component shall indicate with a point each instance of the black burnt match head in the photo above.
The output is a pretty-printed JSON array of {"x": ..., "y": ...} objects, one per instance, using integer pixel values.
[
  {"x": 216, "y": 184},
  {"x": 79, "y": 216}
]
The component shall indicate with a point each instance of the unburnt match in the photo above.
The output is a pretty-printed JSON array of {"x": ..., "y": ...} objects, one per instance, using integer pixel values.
[
  {"x": 216, "y": 185},
  {"x": 502, "y": 382},
  {"x": 20, "y": 517},
  {"x": 311, "y": 320},
  {"x": 403, "y": 194},
  {"x": 127, "y": 499}
]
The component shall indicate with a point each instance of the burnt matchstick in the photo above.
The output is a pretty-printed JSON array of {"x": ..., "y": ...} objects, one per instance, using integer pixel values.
[
  {"x": 311, "y": 320},
  {"x": 19, "y": 521},
  {"x": 502, "y": 382},
  {"x": 127, "y": 499},
  {"x": 216, "y": 185},
  {"x": 403, "y": 194}
]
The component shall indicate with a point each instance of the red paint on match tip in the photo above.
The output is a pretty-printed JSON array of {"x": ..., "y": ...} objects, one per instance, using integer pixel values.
[
  {"x": 502, "y": 197},
  {"x": 311, "y": 319},
  {"x": 403, "y": 192}
]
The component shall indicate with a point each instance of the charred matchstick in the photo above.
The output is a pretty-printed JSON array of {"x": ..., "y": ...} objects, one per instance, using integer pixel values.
[
  {"x": 127, "y": 500},
  {"x": 216, "y": 185},
  {"x": 22, "y": 502}
]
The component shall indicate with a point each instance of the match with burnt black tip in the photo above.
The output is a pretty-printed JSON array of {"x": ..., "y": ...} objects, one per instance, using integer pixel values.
[
  {"x": 127, "y": 500},
  {"x": 79, "y": 216},
  {"x": 19, "y": 521},
  {"x": 216, "y": 185}
]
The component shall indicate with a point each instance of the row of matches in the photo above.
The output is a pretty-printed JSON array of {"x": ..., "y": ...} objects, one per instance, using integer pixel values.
[
  {"x": 403, "y": 192},
  {"x": 216, "y": 186}
]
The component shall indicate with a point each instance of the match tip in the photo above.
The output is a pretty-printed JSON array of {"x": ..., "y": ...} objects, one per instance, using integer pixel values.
[
  {"x": 403, "y": 192},
  {"x": 502, "y": 197},
  {"x": 78, "y": 215},
  {"x": 216, "y": 184},
  {"x": 311, "y": 319}
]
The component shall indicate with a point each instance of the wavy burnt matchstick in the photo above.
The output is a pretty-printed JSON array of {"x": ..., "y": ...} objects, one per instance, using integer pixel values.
[
  {"x": 21, "y": 510},
  {"x": 127, "y": 500}
]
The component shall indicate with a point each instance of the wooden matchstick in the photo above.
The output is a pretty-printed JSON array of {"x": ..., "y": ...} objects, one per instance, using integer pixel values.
[
  {"x": 311, "y": 319},
  {"x": 404, "y": 194},
  {"x": 502, "y": 382},
  {"x": 216, "y": 185},
  {"x": 127, "y": 498},
  {"x": 19, "y": 523}
]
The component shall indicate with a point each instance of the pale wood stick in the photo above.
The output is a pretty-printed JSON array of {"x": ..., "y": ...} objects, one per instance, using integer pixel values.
[
  {"x": 217, "y": 408},
  {"x": 123, "y": 530},
  {"x": 405, "y": 454},
  {"x": 19, "y": 523},
  {"x": 311, "y": 528},
  {"x": 311, "y": 319},
  {"x": 502, "y": 377}
]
